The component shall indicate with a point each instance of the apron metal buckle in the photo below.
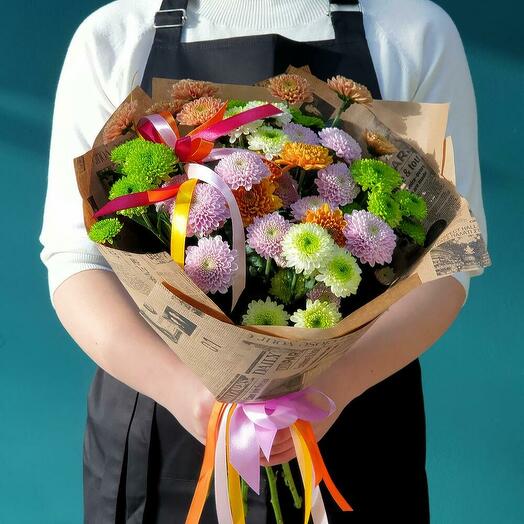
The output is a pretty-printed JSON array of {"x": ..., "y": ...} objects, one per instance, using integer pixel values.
[{"x": 166, "y": 18}]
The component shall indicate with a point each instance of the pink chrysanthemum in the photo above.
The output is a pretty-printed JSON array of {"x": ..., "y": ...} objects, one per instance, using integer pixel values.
[
  {"x": 335, "y": 185},
  {"x": 287, "y": 189},
  {"x": 188, "y": 89},
  {"x": 344, "y": 145},
  {"x": 199, "y": 111},
  {"x": 208, "y": 211},
  {"x": 242, "y": 169},
  {"x": 302, "y": 206},
  {"x": 369, "y": 238},
  {"x": 299, "y": 133},
  {"x": 211, "y": 264},
  {"x": 323, "y": 293},
  {"x": 265, "y": 236}
]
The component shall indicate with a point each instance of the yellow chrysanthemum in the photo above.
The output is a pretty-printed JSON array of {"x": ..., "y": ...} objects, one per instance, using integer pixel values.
[
  {"x": 306, "y": 156},
  {"x": 331, "y": 220},
  {"x": 260, "y": 200}
]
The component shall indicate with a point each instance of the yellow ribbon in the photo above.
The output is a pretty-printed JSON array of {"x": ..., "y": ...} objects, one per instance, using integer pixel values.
[
  {"x": 233, "y": 479},
  {"x": 305, "y": 465},
  {"x": 179, "y": 220}
]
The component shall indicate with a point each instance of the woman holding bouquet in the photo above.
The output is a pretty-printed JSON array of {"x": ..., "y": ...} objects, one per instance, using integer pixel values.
[{"x": 148, "y": 412}]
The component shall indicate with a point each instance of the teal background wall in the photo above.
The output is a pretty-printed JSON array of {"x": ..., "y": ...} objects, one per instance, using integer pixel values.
[{"x": 474, "y": 377}]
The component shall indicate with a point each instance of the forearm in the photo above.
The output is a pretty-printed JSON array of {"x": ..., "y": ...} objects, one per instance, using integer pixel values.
[
  {"x": 100, "y": 316},
  {"x": 397, "y": 337}
]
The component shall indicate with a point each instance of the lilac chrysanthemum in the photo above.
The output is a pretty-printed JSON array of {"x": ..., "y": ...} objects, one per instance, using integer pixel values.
[
  {"x": 211, "y": 264},
  {"x": 344, "y": 145},
  {"x": 287, "y": 189},
  {"x": 208, "y": 211},
  {"x": 369, "y": 238},
  {"x": 302, "y": 206},
  {"x": 242, "y": 169},
  {"x": 321, "y": 292},
  {"x": 299, "y": 133},
  {"x": 336, "y": 185},
  {"x": 265, "y": 236}
]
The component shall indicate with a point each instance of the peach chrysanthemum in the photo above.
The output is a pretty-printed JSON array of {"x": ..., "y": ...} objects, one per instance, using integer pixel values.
[
  {"x": 293, "y": 89},
  {"x": 121, "y": 121},
  {"x": 188, "y": 89},
  {"x": 350, "y": 91},
  {"x": 199, "y": 111},
  {"x": 378, "y": 145},
  {"x": 306, "y": 156},
  {"x": 260, "y": 200},
  {"x": 173, "y": 106},
  {"x": 332, "y": 220}
]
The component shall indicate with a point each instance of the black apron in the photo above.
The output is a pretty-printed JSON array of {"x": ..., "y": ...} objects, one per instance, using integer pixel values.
[{"x": 140, "y": 465}]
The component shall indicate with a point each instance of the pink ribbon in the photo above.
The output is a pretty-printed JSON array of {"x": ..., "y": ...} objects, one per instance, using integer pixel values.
[
  {"x": 155, "y": 127},
  {"x": 255, "y": 425}
]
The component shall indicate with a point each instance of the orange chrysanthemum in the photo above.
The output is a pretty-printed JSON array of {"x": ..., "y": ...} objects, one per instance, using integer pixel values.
[
  {"x": 350, "y": 90},
  {"x": 188, "y": 89},
  {"x": 293, "y": 89},
  {"x": 260, "y": 200},
  {"x": 121, "y": 121},
  {"x": 173, "y": 106},
  {"x": 199, "y": 111},
  {"x": 306, "y": 156},
  {"x": 331, "y": 220},
  {"x": 275, "y": 171}
]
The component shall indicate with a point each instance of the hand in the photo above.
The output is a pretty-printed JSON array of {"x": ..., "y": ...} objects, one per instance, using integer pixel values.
[
  {"x": 191, "y": 403},
  {"x": 334, "y": 385}
]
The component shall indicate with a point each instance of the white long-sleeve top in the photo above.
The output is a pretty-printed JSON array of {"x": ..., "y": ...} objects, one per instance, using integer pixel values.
[{"x": 415, "y": 47}]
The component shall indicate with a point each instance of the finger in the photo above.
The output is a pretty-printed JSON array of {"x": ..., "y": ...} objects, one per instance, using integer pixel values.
[
  {"x": 281, "y": 447},
  {"x": 282, "y": 435},
  {"x": 281, "y": 458}
]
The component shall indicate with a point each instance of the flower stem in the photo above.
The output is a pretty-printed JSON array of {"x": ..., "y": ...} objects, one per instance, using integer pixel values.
[
  {"x": 268, "y": 267},
  {"x": 343, "y": 107},
  {"x": 271, "y": 477},
  {"x": 290, "y": 483},
  {"x": 244, "y": 487},
  {"x": 293, "y": 284}
]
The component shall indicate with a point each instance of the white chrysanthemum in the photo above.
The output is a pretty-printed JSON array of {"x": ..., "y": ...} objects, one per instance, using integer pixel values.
[
  {"x": 280, "y": 120},
  {"x": 341, "y": 273},
  {"x": 267, "y": 139},
  {"x": 246, "y": 129},
  {"x": 307, "y": 247},
  {"x": 265, "y": 313},
  {"x": 318, "y": 314}
]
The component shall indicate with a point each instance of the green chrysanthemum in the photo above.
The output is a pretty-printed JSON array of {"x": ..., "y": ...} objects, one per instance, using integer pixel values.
[
  {"x": 413, "y": 230},
  {"x": 125, "y": 186},
  {"x": 149, "y": 162},
  {"x": 341, "y": 273},
  {"x": 267, "y": 139},
  {"x": 283, "y": 288},
  {"x": 372, "y": 174},
  {"x": 307, "y": 247},
  {"x": 268, "y": 313},
  {"x": 306, "y": 120},
  {"x": 120, "y": 153},
  {"x": 104, "y": 231},
  {"x": 386, "y": 207},
  {"x": 411, "y": 205},
  {"x": 318, "y": 314}
]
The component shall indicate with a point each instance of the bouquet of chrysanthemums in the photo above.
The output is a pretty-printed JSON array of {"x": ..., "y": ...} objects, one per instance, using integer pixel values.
[{"x": 261, "y": 230}]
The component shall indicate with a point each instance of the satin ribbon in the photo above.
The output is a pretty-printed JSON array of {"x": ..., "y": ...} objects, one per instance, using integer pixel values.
[
  {"x": 255, "y": 425},
  {"x": 203, "y": 173},
  {"x": 198, "y": 144}
]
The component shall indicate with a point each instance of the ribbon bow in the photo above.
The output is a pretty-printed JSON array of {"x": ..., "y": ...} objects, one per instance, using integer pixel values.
[{"x": 237, "y": 433}]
